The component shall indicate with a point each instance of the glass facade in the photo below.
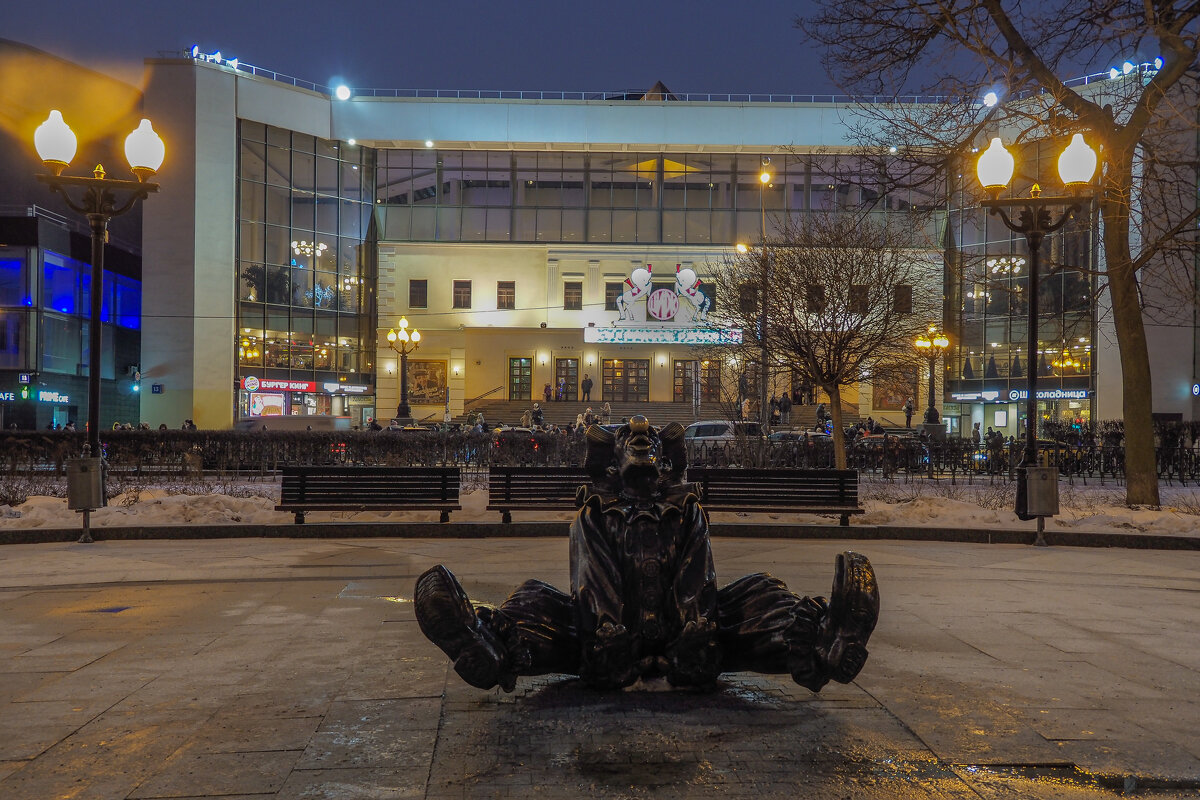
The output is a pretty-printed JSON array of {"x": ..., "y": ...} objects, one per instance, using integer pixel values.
[
  {"x": 660, "y": 198},
  {"x": 988, "y": 279},
  {"x": 306, "y": 260}
]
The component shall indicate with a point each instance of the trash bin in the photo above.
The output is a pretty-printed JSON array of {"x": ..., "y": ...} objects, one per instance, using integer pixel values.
[
  {"x": 1042, "y": 491},
  {"x": 85, "y": 484}
]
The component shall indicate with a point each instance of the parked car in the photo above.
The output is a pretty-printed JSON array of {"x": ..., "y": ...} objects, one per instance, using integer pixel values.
[{"x": 720, "y": 430}]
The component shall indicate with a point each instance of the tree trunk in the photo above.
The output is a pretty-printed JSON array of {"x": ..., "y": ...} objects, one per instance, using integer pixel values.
[
  {"x": 839, "y": 433},
  {"x": 1141, "y": 467}
]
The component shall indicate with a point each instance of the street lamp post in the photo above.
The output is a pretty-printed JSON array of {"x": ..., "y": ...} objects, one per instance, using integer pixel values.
[
  {"x": 403, "y": 342},
  {"x": 102, "y": 199},
  {"x": 931, "y": 346},
  {"x": 764, "y": 180},
  {"x": 1076, "y": 166}
]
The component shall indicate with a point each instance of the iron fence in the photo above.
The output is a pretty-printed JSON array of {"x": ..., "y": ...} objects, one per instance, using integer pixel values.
[{"x": 247, "y": 454}]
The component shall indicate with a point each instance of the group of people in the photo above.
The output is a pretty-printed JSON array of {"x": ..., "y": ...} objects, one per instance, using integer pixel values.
[
  {"x": 536, "y": 418},
  {"x": 559, "y": 393}
]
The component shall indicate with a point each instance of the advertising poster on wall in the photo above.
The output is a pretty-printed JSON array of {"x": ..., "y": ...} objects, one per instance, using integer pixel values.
[
  {"x": 266, "y": 405},
  {"x": 892, "y": 385},
  {"x": 427, "y": 382}
]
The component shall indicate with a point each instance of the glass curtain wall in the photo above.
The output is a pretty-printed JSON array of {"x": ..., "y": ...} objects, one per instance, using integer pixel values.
[
  {"x": 306, "y": 257},
  {"x": 661, "y": 198},
  {"x": 988, "y": 291}
]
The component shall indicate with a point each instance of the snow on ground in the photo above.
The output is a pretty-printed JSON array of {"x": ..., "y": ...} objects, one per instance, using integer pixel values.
[{"x": 937, "y": 504}]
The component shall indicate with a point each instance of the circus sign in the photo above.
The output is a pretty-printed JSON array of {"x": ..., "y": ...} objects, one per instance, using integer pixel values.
[
  {"x": 662, "y": 335},
  {"x": 685, "y": 304}
]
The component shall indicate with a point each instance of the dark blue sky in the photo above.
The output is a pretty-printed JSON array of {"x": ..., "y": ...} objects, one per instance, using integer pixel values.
[{"x": 696, "y": 46}]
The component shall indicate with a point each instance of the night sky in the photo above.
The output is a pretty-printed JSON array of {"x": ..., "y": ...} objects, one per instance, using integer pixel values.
[{"x": 622, "y": 45}]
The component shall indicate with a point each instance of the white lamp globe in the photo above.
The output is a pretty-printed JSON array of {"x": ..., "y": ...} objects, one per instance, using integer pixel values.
[
  {"x": 1077, "y": 164},
  {"x": 55, "y": 142},
  {"x": 995, "y": 167},
  {"x": 145, "y": 150}
]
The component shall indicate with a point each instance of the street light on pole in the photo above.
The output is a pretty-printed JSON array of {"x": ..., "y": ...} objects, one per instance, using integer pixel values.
[
  {"x": 931, "y": 346},
  {"x": 102, "y": 199},
  {"x": 403, "y": 342},
  {"x": 1076, "y": 166},
  {"x": 764, "y": 181}
]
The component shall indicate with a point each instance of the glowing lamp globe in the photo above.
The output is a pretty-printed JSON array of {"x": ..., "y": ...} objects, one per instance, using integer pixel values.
[
  {"x": 416, "y": 337},
  {"x": 145, "y": 151},
  {"x": 995, "y": 167},
  {"x": 55, "y": 142},
  {"x": 1077, "y": 164}
]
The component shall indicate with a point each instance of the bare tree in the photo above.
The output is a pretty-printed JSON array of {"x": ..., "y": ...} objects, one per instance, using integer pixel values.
[
  {"x": 845, "y": 296},
  {"x": 1145, "y": 122}
]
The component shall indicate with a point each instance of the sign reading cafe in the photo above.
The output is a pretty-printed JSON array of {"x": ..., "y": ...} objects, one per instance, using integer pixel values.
[{"x": 646, "y": 315}]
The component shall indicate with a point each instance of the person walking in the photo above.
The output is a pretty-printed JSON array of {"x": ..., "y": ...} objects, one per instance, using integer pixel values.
[
  {"x": 585, "y": 388},
  {"x": 605, "y": 413},
  {"x": 821, "y": 416},
  {"x": 975, "y": 434},
  {"x": 527, "y": 419},
  {"x": 547, "y": 392},
  {"x": 908, "y": 412},
  {"x": 536, "y": 416},
  {"x": 785, "y": 409}
]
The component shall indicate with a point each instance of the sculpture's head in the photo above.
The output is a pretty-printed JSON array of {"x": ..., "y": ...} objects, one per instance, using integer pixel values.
[{"x": 637, "y": 451}]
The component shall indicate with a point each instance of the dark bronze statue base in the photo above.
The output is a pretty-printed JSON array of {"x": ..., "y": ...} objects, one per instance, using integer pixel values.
[{"x": 644, "y": 601}]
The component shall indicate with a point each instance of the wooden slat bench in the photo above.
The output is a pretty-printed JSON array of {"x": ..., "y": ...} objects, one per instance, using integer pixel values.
[
  {"x": 339, "y": 488},
  {"x": 803, "y": 491},
  {"x": 533, "y": 488}
]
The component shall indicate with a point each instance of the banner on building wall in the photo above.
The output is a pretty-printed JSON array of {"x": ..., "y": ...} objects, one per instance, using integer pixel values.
[
  {"x": 892, "y": 386},
  {"x": 647, "y": 335},
  {"x": 427, "y": 382}
]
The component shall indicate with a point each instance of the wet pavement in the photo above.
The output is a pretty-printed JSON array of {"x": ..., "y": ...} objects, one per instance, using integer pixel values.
[{"x": 295, "y": 669}]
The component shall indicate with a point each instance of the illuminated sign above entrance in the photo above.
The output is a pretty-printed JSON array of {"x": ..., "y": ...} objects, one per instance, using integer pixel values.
[
  {"x": 664, "y": 335},
  {"x": 254, "y": 384},
  {"x": 1050, "y": 394}
]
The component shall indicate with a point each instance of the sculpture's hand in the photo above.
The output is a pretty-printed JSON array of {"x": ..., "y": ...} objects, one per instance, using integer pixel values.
[
  {"x": 694, "y": 658},
  {"x": 608, "y": 660}
]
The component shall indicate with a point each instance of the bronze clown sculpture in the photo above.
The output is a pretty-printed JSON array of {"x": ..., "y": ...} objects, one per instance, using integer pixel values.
[{"x": 644, "y": 602}]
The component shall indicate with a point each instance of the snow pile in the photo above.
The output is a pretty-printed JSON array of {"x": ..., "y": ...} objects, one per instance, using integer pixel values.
[{"x": 1090, "y": 509}]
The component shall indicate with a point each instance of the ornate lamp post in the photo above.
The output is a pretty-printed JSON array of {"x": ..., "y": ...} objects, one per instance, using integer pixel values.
[
  {"x": 1076, "y": 166},
  {"x": 404, "y": 342},
  {"x": 931, "y": 346},
  {"x": 101, "y": 199}
]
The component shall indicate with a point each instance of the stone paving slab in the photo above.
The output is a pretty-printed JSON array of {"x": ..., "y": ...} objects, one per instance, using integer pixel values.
[{"x": 275, "y": 668}]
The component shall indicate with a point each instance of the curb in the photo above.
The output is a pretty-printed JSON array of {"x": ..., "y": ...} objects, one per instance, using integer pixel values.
[{"x": 485, "y": 530}]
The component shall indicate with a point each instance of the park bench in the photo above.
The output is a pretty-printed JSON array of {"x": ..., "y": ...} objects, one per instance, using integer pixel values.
[
  {"x": 546, "y": 488},
  {"x": 342, "y": 488},
  {"x": 802, "y": 491}
]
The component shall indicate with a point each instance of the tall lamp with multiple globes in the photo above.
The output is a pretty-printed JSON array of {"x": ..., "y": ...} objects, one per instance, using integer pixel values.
[
  {"x": 100, "y": 199},
  {"x": 403, "y": 342},
  {"x": 931, "y": 346},
  {"x": 1076, "y": 166}
]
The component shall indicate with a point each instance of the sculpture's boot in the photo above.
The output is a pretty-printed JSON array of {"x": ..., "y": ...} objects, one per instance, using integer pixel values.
[
  {"x": 447, "y": 619},
  {"x": 850, "y": 619}
]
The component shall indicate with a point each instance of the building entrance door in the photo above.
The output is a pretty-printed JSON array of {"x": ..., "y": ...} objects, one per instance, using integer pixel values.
[
  {"x": 520, "y": 379},
  {"x": 685, "y": 381},
  {"x": 566, "y": 372},
  {"x": 625, "y": 379}
]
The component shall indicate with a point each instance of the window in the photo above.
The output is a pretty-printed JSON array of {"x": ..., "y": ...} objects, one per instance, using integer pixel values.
[
  {"x": 506, "y": 295},
  {"x": 814, "y": 298},
  {"x": 418, "y": 294},
  {"x": 902, "y": 299},
  {"x": 573, "y": 296},
  {"x": 462, "y": 294},
  {"x": 612, "y": 290},
  {"x": 747, "y": 298},
  {"x": 859, "y": 300}
]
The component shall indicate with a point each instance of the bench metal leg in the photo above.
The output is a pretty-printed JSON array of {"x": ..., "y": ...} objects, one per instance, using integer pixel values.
[
  {"x": 299, "y": 517},
  {"x": 845, "y": 520},
  {"x": 445, "y": 517},
  {"x": 505, "y": 517}
]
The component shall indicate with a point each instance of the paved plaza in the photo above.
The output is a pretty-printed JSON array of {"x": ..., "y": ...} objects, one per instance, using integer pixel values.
[{"x": 290, "y": 668}]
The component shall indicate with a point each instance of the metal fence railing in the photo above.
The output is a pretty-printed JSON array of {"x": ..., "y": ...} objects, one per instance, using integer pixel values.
[{"x": 256, "y": 453}]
